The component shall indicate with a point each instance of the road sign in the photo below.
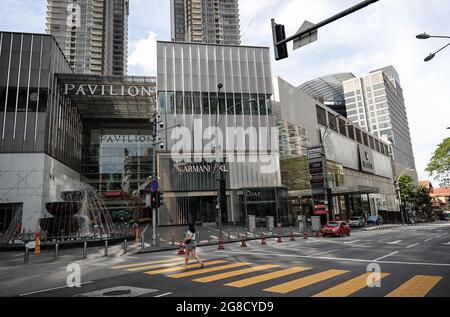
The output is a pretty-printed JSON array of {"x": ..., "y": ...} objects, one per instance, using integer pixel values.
[
  {"x": 307, "y": 39},
  {"x": 154, "y": 185}
]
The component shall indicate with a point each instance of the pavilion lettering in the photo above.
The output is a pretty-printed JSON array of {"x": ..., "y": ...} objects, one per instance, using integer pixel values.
[{"x": 107, "y": 90}]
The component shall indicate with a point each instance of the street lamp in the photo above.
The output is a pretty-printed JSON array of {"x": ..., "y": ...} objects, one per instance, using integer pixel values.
[
  {"x": 397, "y": 188},
  {"x": 219, "y": 117},
  {"x": 425, "y": 36}
]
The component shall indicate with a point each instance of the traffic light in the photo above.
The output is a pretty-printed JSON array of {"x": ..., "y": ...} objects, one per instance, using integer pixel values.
[
  {"x": 279, "y": 34},
  {"x": 160, "y": 199},
  {"x": 154, "y": 200}
]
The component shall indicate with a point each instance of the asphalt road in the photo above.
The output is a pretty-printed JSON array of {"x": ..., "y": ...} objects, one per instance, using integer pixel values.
[{"x": 411, "y": 261}]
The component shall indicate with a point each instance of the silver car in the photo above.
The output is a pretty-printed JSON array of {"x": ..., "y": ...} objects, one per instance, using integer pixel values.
[{"x": 356, "y": 222}]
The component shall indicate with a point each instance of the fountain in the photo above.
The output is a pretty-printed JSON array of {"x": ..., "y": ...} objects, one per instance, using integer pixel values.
[{"x": 80, "y": 215}]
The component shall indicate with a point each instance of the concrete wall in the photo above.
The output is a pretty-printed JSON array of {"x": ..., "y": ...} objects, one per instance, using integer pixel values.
[{"x": 32, "y": 180}]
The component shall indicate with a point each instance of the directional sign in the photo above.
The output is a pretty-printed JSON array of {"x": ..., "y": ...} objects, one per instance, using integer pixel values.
[
  {"x": 154, "y": 185},
  {"x": 307, "y": 39}
]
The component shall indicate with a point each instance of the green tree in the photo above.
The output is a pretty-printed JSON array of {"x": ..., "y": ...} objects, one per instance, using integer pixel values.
[
  {"x": 439, "y": 166},
  {"x": 407, "y": 188}
]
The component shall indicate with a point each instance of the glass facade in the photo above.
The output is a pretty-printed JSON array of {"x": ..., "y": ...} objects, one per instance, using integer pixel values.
[
  {"x": 117, "y": 161},
  {"x": 34, "y": 117}
]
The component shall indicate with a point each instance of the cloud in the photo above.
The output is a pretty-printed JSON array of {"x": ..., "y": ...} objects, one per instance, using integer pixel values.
[{"x": 142, "y": 59}]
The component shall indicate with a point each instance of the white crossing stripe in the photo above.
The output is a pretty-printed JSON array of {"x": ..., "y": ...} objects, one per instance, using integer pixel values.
[{"x": 395, "y": 242}]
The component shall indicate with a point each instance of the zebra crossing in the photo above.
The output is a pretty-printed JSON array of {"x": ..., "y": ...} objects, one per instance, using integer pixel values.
[{"x": 245, "y": 274}]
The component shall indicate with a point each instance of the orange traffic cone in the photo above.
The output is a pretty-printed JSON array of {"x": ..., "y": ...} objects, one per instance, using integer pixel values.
[
  {"x": 221, "y": 245},
  {"x": 137, "y": 233},
  {"x": 243, "y": 244},
  {"x": 37, "y": 248},
  {"x": 305, "y": 236},
  {"x": 181, "y": 248}
]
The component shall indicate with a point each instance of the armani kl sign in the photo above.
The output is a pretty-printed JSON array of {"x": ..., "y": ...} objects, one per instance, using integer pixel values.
[{"x": 108, "y": 90}]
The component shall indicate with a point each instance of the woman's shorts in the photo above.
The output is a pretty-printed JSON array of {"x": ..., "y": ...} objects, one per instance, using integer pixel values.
[{"x": 191, "y": 245}]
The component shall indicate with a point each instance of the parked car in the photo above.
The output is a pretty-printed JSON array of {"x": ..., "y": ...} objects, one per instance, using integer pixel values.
[
  {"x": 375, "y": 220},
  {"x": 336, "y": 229},
  {"x": 357, "y": 222}
]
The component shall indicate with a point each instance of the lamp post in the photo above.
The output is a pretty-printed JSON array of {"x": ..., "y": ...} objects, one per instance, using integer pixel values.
[
  {"x": 425, "y": 36},
  {"x": 397, "y": 188},
  {"x": 219, "y": 174}
]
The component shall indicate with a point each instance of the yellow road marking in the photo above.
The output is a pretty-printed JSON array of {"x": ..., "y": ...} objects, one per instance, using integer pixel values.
[
  {"x": 222, "y": 276},
  {"x": 266, "y": 277},
  {"x": 181, "y": 268},
  {"x": 352, "y": 286},
  {"x": 145, "y": 263},
  {"x": 305, "y": 281},
  {"x": 418, "y": 286},
  {"x": 213, "y": 269}
]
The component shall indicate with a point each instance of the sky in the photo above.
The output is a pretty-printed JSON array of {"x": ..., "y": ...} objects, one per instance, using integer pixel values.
[{"x": 379, "y": 35}]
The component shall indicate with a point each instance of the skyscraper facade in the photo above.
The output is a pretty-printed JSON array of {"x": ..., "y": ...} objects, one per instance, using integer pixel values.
[
  {"x": 206, "y": 21},
  {"x": 92, "y": 33},
  {"x": 377, "y": 104}
]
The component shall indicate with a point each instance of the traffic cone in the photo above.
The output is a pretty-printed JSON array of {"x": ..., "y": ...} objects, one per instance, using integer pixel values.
[
  {"x": 279, "y": 239},
  {"x": 37, "y": 248},
  {"x": 305, "y": 236},
  {"x": 221, "y": 245},
  {"x": 243, "y": 244},
  {"x": 263, "y": 240},
  {"x": 137, "y": 233},
  {"x": 292, "y": 236},
  {"x": 181, "y": 248}
]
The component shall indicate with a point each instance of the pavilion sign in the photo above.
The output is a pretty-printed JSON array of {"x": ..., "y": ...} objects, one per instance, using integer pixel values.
[{"x": 108, "y": 90}]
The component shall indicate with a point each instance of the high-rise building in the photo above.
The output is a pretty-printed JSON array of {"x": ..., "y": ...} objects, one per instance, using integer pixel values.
[
  {"x": 376, "y": 103},
  {"x": 206, "y": 21},
  {"x": 328, "y": 90},
  {"x": 92, "y": 33}
]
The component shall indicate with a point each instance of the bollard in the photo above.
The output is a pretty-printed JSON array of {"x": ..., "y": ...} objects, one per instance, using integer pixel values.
[
  {"x": 142, "y": 242},
  {"x": 229, "y": 236},
  {"x": 173, "y": 239},
  {"x": 106, "y": 248},
  {"x": 158, "y": 240},
  {"x": 56, "y": 252},
  {"x": 246, "y": 234},
  {"x": 84, "y": 254},
  {"x": 279, "y": 240},
  {"x": 27, "y": 254},
  {"x": 125, "y": 246},
  {"x": 209, "y": 237}
]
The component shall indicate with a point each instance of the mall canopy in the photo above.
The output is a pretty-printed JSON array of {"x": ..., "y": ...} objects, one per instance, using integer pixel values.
[{"x": 103, "y": 97}]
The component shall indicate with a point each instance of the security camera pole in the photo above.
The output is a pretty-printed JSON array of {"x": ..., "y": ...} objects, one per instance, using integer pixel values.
[{"x": 308, "y": 31}]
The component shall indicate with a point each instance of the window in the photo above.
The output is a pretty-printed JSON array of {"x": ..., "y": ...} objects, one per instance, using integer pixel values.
[
  {"x": 332, "y": 121},
  {"x": 358, "y": 135},
  {"x": 365, "y": 139},
  {"x": 351, "y": 132},
  {"x": 321, "y": 116}
]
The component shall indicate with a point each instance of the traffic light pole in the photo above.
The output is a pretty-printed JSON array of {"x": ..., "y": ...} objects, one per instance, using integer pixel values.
[
  {"x": 154, "y": 175},
  {"x": 279, "y": 43}
]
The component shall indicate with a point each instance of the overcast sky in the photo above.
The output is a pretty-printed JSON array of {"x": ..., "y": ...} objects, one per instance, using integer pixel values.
[{"x": 380, "y": 35}]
